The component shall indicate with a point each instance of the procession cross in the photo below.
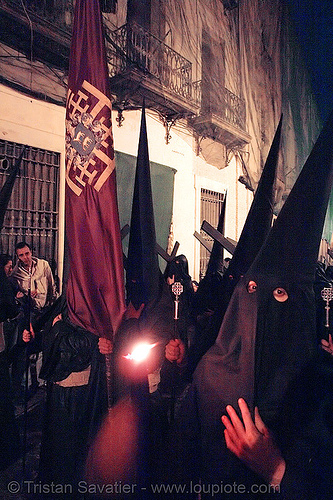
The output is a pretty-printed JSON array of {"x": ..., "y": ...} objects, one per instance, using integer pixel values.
[
  {"x": 177, "y": 290},
  {"x": 327, "y": 295}
]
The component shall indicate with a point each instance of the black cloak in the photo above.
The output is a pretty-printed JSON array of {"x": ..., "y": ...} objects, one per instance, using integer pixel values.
[
  {"x": 72, "y": 414},
  {"x": 268, "y": 334}
]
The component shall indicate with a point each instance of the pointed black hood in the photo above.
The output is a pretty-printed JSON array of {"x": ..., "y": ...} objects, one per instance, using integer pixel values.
[
  {"x": 215, "y": 291},
  {"x": 259, "y": 218},
  {"x": 206, "y": 297},
  {"x": 291, "y": 249},
  {"x": 283, "y": 273},
  {"x": 142, "y": 270}
]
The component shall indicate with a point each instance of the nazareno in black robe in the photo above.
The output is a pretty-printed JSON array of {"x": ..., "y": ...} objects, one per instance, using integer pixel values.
[
  {"x": 72, "y": 414},
  {"x": 265, "y": 348}
]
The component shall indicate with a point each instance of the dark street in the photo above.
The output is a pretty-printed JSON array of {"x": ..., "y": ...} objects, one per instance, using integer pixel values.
[{"x": 14, "y": 482}]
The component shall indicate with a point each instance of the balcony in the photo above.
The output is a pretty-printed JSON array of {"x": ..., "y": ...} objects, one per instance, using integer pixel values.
[
  {"x": 142, "y": 65},
  {"x": 222, "y": 116}
]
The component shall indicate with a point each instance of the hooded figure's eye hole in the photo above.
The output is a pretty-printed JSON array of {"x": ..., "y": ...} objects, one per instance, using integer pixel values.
[
  {"x": 280, "y": 294},
  {"x": 252, "y": 287}
]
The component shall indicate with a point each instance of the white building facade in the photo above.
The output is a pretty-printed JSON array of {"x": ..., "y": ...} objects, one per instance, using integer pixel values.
[{"x": 242, "y": 53}]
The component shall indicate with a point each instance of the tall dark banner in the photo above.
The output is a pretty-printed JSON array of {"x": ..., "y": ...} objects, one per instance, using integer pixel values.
[{"x": 95, "y": 288}]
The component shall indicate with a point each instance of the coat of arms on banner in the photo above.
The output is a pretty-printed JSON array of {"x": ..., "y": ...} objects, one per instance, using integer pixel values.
[{"x": 89, "y": 142}]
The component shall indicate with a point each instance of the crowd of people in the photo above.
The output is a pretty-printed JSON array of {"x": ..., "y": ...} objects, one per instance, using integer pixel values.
[
  {"x": 73, "y": 366},
  {"x": 35, "y": 327},
  {"x": 167, "y": 393},
  {"x": 27, "y": 292}
]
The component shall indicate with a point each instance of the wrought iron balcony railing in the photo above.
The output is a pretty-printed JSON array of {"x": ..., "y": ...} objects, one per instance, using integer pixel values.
[
  {"x": 223, "y": 103},
  {"x": 234, "y": 110},
  {"x": 139, "y": 64},
  {"x": 222, "y": 115},
  {"x": 131, "y": 47}
]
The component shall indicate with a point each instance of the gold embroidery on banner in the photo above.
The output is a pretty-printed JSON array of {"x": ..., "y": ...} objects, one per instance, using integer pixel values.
[{"x": 89, "y": 142}]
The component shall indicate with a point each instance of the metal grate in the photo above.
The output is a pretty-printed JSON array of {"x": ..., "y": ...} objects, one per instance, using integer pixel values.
[
  {"x": 32, "y": 213},
  {"x": 211, "y": 206}
]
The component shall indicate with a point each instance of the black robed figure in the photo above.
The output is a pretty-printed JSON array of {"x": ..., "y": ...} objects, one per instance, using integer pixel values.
[
  {"x": 149, "y": 305},
  {"x": 148, "y": 320},
  {"x": 265, "y": 345}
]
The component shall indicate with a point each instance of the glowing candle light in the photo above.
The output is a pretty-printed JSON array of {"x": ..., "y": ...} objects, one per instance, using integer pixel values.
[{"x": 140, "y": 352}]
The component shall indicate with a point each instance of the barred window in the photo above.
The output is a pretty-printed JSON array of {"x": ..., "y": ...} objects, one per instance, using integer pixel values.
[
  {"x": 32, "y": 213},
  {"x": 211, "y": 206}
]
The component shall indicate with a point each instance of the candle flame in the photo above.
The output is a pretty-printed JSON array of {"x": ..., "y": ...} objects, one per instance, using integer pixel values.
[{"x": 140, "y": 352}]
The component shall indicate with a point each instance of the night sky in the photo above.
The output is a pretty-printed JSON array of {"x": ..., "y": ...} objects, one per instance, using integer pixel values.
[{"x": 314, "y": 25}]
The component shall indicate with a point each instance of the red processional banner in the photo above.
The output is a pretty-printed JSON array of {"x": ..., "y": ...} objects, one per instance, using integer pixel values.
[{"x": 95, "y": 287}]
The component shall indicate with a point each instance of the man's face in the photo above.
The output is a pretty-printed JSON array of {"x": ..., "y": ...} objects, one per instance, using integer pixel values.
[{"x": 25, "y": 256}]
